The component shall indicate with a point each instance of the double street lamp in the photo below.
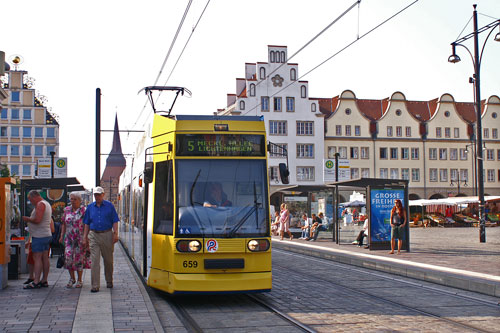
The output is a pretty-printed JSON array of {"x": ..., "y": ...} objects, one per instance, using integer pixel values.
[{"x": 476, "y": 60}]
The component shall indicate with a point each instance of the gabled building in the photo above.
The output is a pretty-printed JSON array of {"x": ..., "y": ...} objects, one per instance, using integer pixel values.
[
  {"x": 293, "y": 121},
  {"x": 28, "y": 131}
]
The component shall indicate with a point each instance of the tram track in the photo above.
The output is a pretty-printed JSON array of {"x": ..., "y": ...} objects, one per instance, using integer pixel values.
[{"x": 384, "y": 299}]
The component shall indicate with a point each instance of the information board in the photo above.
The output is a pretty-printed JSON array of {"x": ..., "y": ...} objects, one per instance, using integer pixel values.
[
  {"x": 381, "y": 203},
  {"x": 329, "y": 170},
  {"x": 220, "y": 145}
]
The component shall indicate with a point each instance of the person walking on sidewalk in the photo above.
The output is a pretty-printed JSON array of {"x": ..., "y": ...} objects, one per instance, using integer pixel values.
[
  {"x": 76, "y": 255},
  {"x": 100, "y": 234},
  {"x": 39, "y": 228},
  {"x": 398, "y": 222}
]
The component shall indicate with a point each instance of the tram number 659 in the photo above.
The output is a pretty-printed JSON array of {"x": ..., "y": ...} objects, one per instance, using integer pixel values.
[{"x": 189, "y": 264}]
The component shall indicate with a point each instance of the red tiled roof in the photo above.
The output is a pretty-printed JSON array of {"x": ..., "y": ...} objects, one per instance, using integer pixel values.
[
  {"x": 468, "y": 112},
  {"x": 372, "y": 109},
  {"x": 421, "y": 110},
  {"x": 243, "y": 92}
]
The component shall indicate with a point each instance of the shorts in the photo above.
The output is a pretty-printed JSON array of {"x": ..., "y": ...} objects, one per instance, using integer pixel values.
[
  {"x": 398, "y": 232},
  {"x": 40, "y": 244}
]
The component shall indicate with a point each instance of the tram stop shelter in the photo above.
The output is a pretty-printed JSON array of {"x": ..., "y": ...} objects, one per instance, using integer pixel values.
[{"x": 380, "y": 197}]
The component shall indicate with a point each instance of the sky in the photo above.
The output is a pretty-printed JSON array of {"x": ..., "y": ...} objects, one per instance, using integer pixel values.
[{"x": 71, "y": 48}]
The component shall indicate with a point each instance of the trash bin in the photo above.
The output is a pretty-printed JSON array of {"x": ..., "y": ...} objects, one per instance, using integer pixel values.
[{"x": 15, "y": 262}]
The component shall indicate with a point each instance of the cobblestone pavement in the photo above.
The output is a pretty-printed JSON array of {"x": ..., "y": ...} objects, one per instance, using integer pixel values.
[{"x": 332, "y": 297}]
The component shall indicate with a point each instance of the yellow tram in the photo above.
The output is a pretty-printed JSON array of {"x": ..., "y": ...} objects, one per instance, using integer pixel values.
[{"x": 195, "y": 216}]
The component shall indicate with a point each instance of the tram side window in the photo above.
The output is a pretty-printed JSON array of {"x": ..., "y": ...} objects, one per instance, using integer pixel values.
[{"x": 164, "y": 199}]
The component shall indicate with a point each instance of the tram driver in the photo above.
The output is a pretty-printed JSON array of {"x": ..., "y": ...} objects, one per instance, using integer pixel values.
[{"x": 216, "y": 196}]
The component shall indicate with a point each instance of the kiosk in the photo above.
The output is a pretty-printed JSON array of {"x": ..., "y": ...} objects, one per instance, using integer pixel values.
[{"x": 5, "y": 217}]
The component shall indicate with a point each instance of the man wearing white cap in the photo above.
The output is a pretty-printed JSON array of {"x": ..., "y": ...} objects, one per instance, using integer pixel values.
[{"x": 101, "y": 234}]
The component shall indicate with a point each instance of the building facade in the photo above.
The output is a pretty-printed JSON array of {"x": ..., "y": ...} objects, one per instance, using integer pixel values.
[
  {"x": 28, "y": 131},
  {"x": 273, "y": 90}
]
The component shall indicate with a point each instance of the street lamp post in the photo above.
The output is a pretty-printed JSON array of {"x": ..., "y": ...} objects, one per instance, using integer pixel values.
[
  {"x": 474, "y": 162},
  {"x": 476, "y": 60}
]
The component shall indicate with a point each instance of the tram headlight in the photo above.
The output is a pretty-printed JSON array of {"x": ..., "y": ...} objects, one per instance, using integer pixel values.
[
  {"x": 258, "y": 245},
  {"x": 188, "y": 246}
]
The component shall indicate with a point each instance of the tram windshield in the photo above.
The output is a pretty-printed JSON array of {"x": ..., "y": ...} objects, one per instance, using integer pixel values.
[{"x": 222, "y": 198}]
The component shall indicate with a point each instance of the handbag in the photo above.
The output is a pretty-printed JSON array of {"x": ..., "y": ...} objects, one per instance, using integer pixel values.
[{"x": 60, "y": 261}]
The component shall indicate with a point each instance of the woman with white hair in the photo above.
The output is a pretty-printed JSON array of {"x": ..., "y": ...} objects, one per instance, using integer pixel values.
[{"x": 76, "y": 255}]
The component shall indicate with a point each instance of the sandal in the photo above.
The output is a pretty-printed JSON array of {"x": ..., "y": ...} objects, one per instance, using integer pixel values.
[
  {"x": 28, "y": 281},
  {"x": 44, "y": 284},
  {"x": 32, "y": 285},
  {"x": 94, "y": 290},
  {"x": 70, "y": 284},
  {"x": 79, "y": 284}
]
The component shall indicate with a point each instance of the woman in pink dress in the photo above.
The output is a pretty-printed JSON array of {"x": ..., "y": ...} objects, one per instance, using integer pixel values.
[
  {"x": 285, "y": 222},
  {"x": 76, "y": 255}
]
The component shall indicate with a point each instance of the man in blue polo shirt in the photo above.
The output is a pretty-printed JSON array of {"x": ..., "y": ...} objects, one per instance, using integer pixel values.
[{"x": 100, "y": 234}]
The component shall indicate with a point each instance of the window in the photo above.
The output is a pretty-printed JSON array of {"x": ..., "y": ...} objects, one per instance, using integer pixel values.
[
  {"x": 242, "y": 107},
  {"x": 283, "y": 58},
  {"x": 164, "y": 209},
  {"x": 414, "y": 154},
  {"x": 438, "y": 132},
  {"x": 273, "y": 56},
  {"x": 14, "y": 132},
  {"x": 262, "y": 73},
  {"x": 305, "y": 128},
  {"x": 433, "y": 153},
  {"x": 338, "y": 130},
  {"x": 494, "y": 133},
  {"x": 274, "y": 174},
  {"x": 252, "y": 89},
  {"x": 456, "y": 132},
  {"x": 347, "y": 130},
  {"x": 354, "y": 153},
  {"x": 293, "y": 74},
  {"x": 357, "y": 130},
  {"x": 14, "y": 170},
  {"x": 408, "y": 131},
  {"x": 464, "y": 174},
  {"x": 365, "y": 153},
  {"x": 305, "y": 150},
  {"x": 354, "y": 173},
  {"x": 303, "y": 91},
  {"x": 383, "y": 153},
  {"x": 27, "y": 114},
  {"x": 264, "y": 103},
  {"x": 26, "y": 132},
  {"x": 3, "y": 131},
  {"x": 365, "y": 172},
  {"x": 51, "y": 131},
  {"x": 278, "y": 150},
  {"x": 486, "y": 133},
  {"x": 4, "y": 114},
  {"x": 491, "y": 175},
  {"x": 405, "y": 174},
  {"x": 433, "y": 175},
  {"x": 343, "y": 152},
  {"x": 313, "y": 107},
  {"x": 463, "y": 154},
  {"x": 490, "y": 154},
  {"x": 394, "y": 173},
  {"x": 447, "y": 132},
  {"x": 453, "y": 154},
  {"x": 331, "y": 151},
  {"x": 443, "y": 153},
  {"x": 15, "y": 96},
  {"x": 405, "y": 153},
  {"x": 453, "y": 174},
  {"x": 277, "y": 127},
  {"x": 498, "y": 154},
  {"x": 399, "y": 131},
  {"x": 26, "y": 170},
  {"x": 389, "y": 130},
  {"x": 26, "y": 150},
  {"x": 305, "y": 173},
  {"x": 14, "y": 114},
  {"x": 50, "y": 149},
  {"x": 3, "y": 150},
  {"x": 38, "y": 150},
  {"x": 290, "y": 104},
  {"x": 277, "y": 104},
  {"x": 38, "y": 132},
  {"x": 14, "y": 150},
  {"x": 384, "y": 173},
  {"x": 443, "y": 175},
  {"x": 394, "y": 153},
  {"x": 415, "y": 175}
]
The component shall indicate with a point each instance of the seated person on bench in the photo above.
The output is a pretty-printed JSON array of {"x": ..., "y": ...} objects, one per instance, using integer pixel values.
[{"x": 316, "y": 227}]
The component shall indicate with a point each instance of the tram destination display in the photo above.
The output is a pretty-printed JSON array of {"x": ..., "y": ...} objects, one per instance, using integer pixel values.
[{"x": 220, "y": 145}]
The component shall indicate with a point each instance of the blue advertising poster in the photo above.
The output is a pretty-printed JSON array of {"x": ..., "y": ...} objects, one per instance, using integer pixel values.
[{"x": 381, "y": 203}]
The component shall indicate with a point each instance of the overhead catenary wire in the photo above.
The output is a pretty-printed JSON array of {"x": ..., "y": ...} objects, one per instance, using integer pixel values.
[{"x": 337, "y": 53}]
